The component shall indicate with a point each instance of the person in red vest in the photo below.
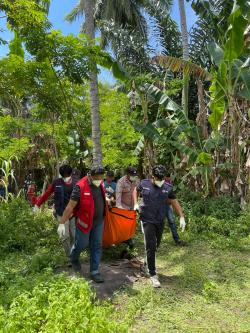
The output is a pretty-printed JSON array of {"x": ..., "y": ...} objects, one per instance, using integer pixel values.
[
  {"x": 62, "y": 188},
  {"x": 88, "y": 204},
  {"x": 31, "y": 194}
]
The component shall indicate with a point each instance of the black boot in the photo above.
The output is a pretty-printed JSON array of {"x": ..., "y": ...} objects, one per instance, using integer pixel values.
[
  {"x": 76, "y": 266},
  {"x": 97, "y": 278}
]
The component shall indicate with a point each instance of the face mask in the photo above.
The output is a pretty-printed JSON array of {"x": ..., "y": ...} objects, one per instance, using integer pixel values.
[
  {"x": 97, "y": 183},
  {"x": 133, "y": 178},
  {"x": 159, "y": 183},
  {"x": 67, "y": 179}
]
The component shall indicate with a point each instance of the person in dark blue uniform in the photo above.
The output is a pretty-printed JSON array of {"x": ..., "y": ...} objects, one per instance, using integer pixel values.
[
  {"x": 154, "y": 193},
  {"x": 170, "y": 217}
]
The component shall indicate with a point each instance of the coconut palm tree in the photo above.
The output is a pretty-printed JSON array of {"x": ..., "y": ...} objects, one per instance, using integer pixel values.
[
  {"x": 185, "y": 55},
  {"x": 123, "y": 13}
]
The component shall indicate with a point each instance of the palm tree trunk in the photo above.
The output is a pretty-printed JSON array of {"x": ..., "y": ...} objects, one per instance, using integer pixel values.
[
  {"x": 185, "y": 47},
  {"x": 94, "y": 93}
]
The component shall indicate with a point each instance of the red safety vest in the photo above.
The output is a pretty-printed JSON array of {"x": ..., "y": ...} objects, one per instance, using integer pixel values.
[{"x": 85, "y": 208}]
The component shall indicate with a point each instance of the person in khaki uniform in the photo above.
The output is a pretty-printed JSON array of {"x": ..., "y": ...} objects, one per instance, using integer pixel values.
[
  {"x": 124, "y": 189},
  {"x": 124, "y": 193}
]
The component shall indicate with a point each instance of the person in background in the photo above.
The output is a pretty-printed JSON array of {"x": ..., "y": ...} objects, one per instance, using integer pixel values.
[
  {"x": 2, "y": 186},
  {"x": 124, "y": 189},
  {"x": 76, "y": 175},
  {"x": 124, "y": 193},
  {"x": 89, "y": 204},
  {"x": 170, "y": 217},
  {"x": 110, "y": 187},
  {"x": 62, "y": 188},
  {"x": 154, "y": 193},
  {"x": 31, "y": 194},
  {"x": 27, "y": 183}
]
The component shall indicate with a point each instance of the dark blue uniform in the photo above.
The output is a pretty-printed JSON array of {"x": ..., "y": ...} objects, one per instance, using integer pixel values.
[
  {"x": 152, "y": 214},
  {"x": 152, "y": 208}
]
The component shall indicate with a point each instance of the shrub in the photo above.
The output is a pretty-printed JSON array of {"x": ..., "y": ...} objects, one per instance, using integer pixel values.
[
  {"x": 21, "y": 230},
  {"x": 60, "y": 305},
  {"x": 219, "y": 215}
]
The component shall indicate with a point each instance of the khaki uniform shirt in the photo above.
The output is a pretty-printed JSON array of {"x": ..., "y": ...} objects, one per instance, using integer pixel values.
[{"x": 124, "y": 193}]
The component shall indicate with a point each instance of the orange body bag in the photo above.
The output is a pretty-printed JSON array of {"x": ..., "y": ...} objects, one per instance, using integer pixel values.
[{"x": 119, "y": 226}]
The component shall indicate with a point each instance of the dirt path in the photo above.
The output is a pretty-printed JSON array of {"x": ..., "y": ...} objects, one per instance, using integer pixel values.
[{"x": 117, "y": 275}]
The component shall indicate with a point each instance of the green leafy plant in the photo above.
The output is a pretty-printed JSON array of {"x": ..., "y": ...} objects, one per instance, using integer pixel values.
[
  {"x": 20, "y": 228},
  {"x": 60, "y": 305}
]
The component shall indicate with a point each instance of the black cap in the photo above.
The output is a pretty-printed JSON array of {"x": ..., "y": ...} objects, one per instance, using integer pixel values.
[
  {"x": 159, "y": 171},
  {"x": 97, "y": 170},
  {"x": 110, "y": 173},
  {"x": 132, "y": 171}
]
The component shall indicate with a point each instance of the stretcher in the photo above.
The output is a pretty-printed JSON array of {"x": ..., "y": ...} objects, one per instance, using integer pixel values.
[{"x": 119, "y": 226}]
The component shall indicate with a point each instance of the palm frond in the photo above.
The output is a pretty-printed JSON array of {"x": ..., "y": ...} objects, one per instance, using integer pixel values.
[
  {"x": 76, "y": 13},
  {"x": 180, "y": 65}
]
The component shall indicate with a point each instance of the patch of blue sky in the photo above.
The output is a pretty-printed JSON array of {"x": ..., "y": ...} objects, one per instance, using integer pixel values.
[{"x": 58, "y": 11}]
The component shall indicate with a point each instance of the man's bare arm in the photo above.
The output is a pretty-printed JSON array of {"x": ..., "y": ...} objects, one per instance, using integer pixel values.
[
  {"x": 177, "y": 207},
  {"x": 68, "y": 211},
  {"x": 118, "y": 194},
  {"x": 135, "y": 196}
]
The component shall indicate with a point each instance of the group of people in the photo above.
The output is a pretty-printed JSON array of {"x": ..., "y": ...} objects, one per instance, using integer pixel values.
[{"x": 80, "y": 206}]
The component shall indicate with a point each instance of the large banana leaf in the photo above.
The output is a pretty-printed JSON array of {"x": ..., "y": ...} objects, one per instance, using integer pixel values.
[
  {"x": 162, "y": 98},
  {"x": 149, "y": 131},
  {"x": 216, "y": 53},
  {"x": 180, "y": 65},
  {"x": 242, "y": 73},
  {"x": 217, "y": 95},
  {"x": 235, "y": 42},
  {"x": 140, "y": 146}
]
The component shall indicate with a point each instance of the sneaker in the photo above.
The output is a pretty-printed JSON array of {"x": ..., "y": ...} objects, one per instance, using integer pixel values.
[
  {"x": 97, "y": 278},
  {"x": 76, "y": 266},
  {"x": 155, "y": 281},
  {"x": 180, "y": 243}
]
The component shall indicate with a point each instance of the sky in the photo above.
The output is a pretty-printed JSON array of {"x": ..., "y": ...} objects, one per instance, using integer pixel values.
[{"x": 58, "y": 10}]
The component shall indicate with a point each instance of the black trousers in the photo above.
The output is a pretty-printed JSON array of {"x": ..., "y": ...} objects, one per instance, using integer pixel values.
[{"x": 152, "y": 239}]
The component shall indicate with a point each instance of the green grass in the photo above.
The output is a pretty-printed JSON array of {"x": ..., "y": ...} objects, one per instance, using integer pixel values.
[
  {"x": 205, "y": 286},
  {"x": 204, "y": 289}
]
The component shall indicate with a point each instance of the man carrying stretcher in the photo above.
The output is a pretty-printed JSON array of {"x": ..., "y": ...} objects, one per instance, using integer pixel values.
[
  {"x": 124, "y": 193},
  {"x": 88, "y": 203}
]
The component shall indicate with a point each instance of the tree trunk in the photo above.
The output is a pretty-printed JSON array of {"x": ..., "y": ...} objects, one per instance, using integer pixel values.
[
  {"x": 201, "y": 119},
  {"x": 94, "y": 94},
  {"x": 149, "y": 156},
  {"x": 185, "y": 47}
]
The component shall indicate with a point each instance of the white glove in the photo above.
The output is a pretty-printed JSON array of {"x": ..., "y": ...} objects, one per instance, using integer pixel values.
[
  {"x": 110, "y": 190},
  {"x": 36, "y": 209},
  {"x": 61, "y": 230},
  {"x": 136, "y": 207},
  {"x": 182, "y": 223}
]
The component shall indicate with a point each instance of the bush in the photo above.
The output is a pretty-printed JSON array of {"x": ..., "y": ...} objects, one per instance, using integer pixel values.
[
  {"x": 21, "y": 230},
  {"x": 222, "y": 207},
  {"x": 60, "y": 305},
  {"x": 219, "y": 215}
]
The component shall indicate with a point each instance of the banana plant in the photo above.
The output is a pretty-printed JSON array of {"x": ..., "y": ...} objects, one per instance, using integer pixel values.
[
  {"x": 7, "y": 171},
  {"x": 230, "y": 91},
  {"x": 183, "y": 139}
]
